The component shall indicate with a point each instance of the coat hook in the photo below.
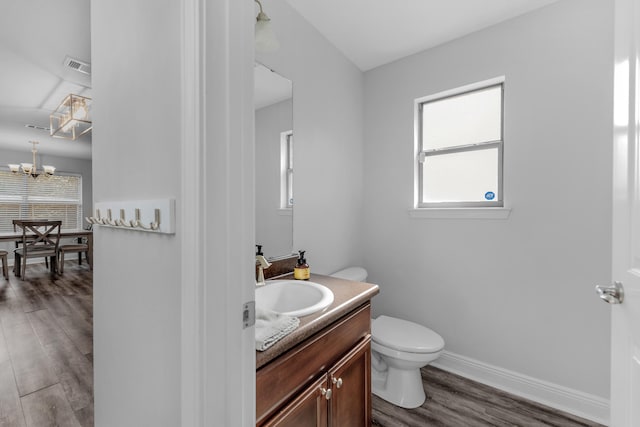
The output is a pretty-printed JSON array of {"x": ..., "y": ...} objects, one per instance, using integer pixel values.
[
  {"x": 134, "y": 222},
  {"x": 109, "y": 220},
  {"x": 139, "y": 223},
  {"x": 156, "y": 223},
  {"x": 122, "y": 222},
  {"x": 98, "y": 218}
]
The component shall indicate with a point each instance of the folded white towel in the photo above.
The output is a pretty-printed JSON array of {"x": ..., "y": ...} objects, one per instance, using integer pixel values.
[{"x": 272, "y": 326}]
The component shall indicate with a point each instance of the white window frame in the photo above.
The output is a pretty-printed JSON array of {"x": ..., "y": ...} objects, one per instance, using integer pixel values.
[
  {"x": 286, "y": 170},
  {"x": 446, "y": 209},
  {"x": 24, "y": 201}
]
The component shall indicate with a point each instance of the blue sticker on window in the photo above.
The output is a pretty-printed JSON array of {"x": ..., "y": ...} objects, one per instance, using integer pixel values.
[{"x": 489, "y": 195}]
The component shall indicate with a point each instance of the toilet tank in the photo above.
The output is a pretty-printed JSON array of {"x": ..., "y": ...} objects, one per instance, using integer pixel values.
[{"x": 357, "y": 274}]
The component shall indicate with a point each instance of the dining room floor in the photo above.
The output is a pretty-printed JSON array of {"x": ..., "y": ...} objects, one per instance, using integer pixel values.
[
  {"x": 454, "y": 401},
  {"x": 46, "y": 348}
]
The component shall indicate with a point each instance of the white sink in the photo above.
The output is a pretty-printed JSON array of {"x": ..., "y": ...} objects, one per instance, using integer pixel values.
[{"x": 293, "y": 297}]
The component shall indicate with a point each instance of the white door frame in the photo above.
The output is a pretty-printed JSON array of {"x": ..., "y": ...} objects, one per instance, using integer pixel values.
[{"x": 217, "y": 213}]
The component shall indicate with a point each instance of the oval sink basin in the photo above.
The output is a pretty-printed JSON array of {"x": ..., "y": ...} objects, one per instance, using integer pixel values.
[{"x": 293, "y": 297}]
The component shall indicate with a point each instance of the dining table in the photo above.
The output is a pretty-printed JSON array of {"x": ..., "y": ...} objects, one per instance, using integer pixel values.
[{"x": 77, "y": 233}]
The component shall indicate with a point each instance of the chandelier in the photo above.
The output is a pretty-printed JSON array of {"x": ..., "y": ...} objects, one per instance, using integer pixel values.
[
  {"x": 31, "y": 169},
  {"x": 71, "y": 119}
]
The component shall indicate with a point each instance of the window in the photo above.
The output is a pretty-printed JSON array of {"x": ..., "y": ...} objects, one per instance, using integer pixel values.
[
  {"x": 286, "y": 169},
  {"x": 460, "y": 147},
  {"x": 57, "y": 197}
]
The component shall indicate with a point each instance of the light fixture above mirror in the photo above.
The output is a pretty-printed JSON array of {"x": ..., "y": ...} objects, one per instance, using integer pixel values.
[
  {"x": 72, "y": 118},
  {"x": 265, "y": 38}
]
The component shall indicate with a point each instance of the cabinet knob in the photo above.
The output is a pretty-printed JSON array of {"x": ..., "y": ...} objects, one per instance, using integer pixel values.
[
  {"x": 326, "y": 393},
  {"x": 337, "y": 382}
]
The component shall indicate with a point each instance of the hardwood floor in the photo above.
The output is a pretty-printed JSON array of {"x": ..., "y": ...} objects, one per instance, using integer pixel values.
[
  {"x": 454, "y": 401},
  {"x": 46, "y": 348}
]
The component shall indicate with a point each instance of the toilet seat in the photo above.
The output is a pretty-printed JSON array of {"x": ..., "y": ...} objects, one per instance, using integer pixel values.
[{"x": 405, "y": 336}]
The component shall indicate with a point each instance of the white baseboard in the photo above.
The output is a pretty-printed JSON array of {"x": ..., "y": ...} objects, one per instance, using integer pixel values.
[{"x": 575, "y": 402}]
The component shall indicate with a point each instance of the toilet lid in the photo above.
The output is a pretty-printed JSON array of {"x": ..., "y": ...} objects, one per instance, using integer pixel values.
[{"x": 403, "y": 335}]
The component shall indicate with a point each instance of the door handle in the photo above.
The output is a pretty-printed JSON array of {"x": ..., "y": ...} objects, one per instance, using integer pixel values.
[{"x": 613, "y": 294}]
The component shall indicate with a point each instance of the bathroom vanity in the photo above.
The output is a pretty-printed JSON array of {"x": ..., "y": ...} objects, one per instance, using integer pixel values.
[{"x": 320, "y": 374}]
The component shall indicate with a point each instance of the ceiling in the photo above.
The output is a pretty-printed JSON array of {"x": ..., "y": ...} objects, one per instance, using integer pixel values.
[
  {"x": 37, "y": 35},
  {"x": 375, "y": 32},
  {"x": 35, "y": 38}
]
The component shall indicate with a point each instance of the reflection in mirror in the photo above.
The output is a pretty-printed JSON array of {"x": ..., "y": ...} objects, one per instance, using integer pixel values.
[{"x": 274, "y": 162}]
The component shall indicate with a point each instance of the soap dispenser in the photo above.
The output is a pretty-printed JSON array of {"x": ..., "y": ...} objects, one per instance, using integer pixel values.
[{"x": 301, "y": 270}]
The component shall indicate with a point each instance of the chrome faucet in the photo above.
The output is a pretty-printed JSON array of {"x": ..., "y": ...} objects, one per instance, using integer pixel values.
[{"x": 262, "y": 264}]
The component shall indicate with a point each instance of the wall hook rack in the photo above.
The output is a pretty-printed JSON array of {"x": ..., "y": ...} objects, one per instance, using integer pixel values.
[{"x": 157, "y": 216}]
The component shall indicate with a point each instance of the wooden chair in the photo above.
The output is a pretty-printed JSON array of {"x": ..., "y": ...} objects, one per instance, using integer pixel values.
[
  {"x": 5, "y": 267},
  {"x": 73, "y": 248},
  {"x": 18, "y": 243},
  {"x": 15, "y": 228},
  {"x": 40, "y": 239}
]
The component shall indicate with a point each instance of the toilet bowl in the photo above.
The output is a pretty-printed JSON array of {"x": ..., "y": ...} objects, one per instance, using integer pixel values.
[{"x": 399, "y": 348}]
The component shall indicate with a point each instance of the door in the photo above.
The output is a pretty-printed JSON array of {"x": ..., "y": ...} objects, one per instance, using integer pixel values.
[{"x": 625, "y": 327}]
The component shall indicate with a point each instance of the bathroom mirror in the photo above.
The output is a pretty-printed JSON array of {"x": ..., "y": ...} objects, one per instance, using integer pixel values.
[{"x": 274, "y": 162}]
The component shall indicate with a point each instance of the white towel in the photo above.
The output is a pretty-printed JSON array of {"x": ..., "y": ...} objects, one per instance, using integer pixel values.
[{"x": 272, "y": 326}]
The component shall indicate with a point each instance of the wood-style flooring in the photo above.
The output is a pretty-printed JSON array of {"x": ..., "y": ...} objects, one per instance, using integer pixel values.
[
  {"x": 454, "y": 401},
  {"x": 46, "y": 348}
]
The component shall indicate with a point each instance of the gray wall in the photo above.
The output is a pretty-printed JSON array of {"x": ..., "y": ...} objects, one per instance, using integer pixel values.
[
  {"x": 175, "y": 120},
  {"x": 328, "y": 126},
  {"x": 514, "y": 293},
  {"x": 136, "y": 152}
]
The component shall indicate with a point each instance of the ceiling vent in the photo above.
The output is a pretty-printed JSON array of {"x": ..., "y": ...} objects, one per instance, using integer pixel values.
[
  {"x": 78, "y": 65},
  {"x": 36, "y": 127}
]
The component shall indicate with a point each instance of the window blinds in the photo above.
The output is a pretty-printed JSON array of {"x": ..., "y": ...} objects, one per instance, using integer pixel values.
[{"x": 57, "y": 197}]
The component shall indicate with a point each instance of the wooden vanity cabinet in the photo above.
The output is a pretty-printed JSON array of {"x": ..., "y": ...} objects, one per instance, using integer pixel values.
[
  {"x": 339, "y": 398},
  {"x": 331, "y": 379}
]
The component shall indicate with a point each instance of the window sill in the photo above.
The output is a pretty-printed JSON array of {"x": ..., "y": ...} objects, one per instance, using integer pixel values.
[
  {"x": 460, "y": 213},
  {"x": 285, "y": 211}
]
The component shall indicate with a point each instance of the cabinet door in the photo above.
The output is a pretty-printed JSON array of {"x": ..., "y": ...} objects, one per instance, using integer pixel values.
[
  {"x": 308, "y": 409},
  {"x": 350, "y": 380}
]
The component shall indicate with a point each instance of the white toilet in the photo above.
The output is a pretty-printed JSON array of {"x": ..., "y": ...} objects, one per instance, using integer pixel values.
[{"x": 399, "y": 349}]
